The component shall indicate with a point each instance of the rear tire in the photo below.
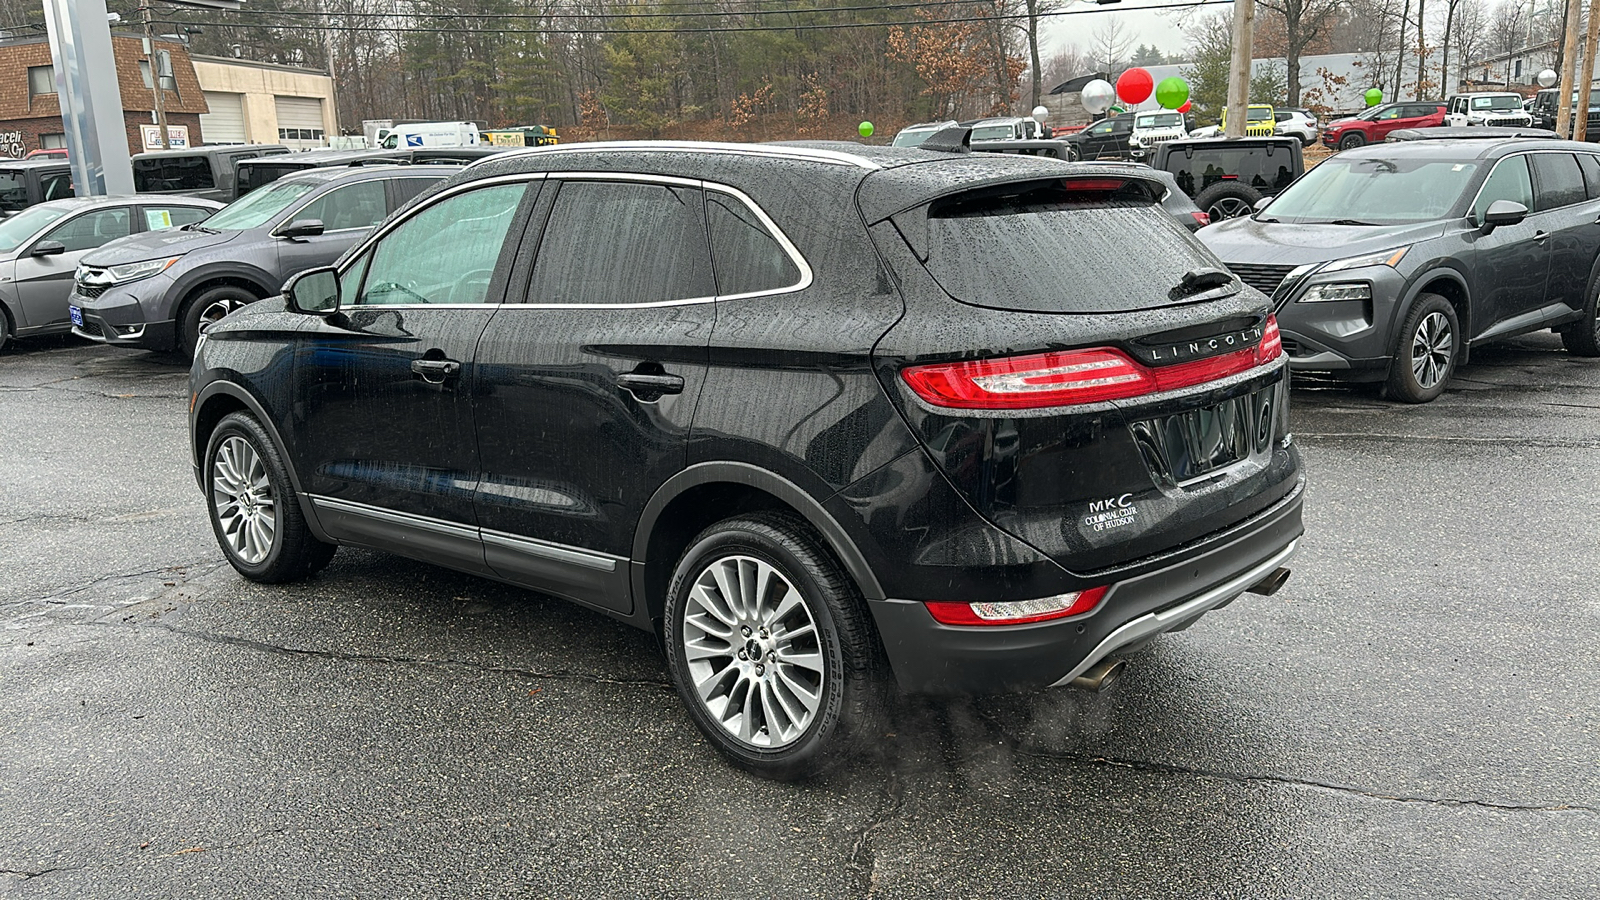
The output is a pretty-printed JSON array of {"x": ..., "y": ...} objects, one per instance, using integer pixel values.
[
  {"x": 205, "y": 308},
  {"x": 1228, "y": 200},
  {"x": 1582, "y": 338},
  {"x": 771, "y": 648},
  {"x": 1352, "y": 140},
  {"x": 254, "y": 512},
  {"x": 1425, "y": 351}
]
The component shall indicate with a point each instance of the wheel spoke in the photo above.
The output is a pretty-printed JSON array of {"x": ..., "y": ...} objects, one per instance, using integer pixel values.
[
  {"x": 808, "y": 698},
  {"x": 812, "y": 661},
  {"x": 698, "y": 650}
]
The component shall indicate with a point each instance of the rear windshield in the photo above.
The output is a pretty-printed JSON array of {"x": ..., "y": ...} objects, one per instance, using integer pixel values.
[
  {"x": 1094, "y": 245},
  {"x": 254, "y": 175},
  {"x": 172, "y": 173},
  {"x": 1267, "y": 169},
  {"x": 993, "y": 133},
  {"x": 913, "y": 138}
]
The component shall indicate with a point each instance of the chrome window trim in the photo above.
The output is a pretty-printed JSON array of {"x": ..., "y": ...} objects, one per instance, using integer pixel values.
[
  {"x": 771, "y": 151},
  {"x": 806, "y": 275}
]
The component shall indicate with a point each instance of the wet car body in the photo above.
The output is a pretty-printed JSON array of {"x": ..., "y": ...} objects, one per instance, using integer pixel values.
[
  {"x": 1539, "y": 272},
  {"x": 586, "y": 482}
]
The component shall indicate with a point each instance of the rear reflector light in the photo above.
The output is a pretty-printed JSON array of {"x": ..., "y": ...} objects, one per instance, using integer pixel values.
[
  {"x": 1017, "y": 612},
  {"x": 1067, "y": 378},
  {"x": 1095, "y": 184},
  {"x": 1201, "y": 218}
]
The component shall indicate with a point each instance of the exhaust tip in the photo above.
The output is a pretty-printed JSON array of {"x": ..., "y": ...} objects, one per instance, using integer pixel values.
[
  {"x": 1269, "y": 585},
  {"x": 1097, "y": 676}
]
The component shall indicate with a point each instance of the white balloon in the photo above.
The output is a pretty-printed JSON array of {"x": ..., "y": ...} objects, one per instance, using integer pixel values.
[
  {"x": 1098, "y": 95},
  {"x": 1548, "y": 78},
  {"x": 1040, "y": 114}
]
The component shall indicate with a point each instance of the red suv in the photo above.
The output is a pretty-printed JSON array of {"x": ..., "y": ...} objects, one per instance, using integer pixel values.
[{"x": 1375, "y": 124}]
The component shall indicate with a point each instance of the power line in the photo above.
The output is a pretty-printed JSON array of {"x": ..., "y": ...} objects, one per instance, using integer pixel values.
[
  {"x": 642, "y": 15},
  {"x": 814, "y": 26}
]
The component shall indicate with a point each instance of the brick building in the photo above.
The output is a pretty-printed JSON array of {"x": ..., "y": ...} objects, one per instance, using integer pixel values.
[{"x": 30, "y": 114}]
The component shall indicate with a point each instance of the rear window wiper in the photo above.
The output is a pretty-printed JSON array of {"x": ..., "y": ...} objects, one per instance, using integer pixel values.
[{"x": 1198, "y": 280}]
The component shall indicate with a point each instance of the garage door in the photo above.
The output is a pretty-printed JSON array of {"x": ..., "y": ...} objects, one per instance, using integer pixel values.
[
  {"x": 300, "y": 122},
  {"x": 225, "y": 123}
]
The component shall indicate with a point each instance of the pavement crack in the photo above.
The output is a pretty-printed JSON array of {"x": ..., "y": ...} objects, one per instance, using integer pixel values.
[
  {"x": 238, "y": 845},
  {"x": 863, "y": 858},
  {"x": 48, "y": 517},
  {"x": 29, "y": 873},
  {"x": 278, "y": 649}
]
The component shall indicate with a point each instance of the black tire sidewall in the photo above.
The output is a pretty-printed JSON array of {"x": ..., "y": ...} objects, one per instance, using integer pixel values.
[
  {"x": 1582, "y": 338},
  {"x": 189, "y": 323},
  {"x": 743, "y": 537},
  {"x": 296, "y": 552},
  {"x": 1402, "y": 382},
  {"x": 1352, "y": 141},
  {"x": 1226, "y": 190}
]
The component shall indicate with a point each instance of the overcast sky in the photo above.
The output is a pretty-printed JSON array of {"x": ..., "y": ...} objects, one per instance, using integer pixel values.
[{"x": 1144, "y": 26}]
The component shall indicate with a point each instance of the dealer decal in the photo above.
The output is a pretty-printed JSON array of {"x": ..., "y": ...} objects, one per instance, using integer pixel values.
[{"x": 1111, "y": 514}]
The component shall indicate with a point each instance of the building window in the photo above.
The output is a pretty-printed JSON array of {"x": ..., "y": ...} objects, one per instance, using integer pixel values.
[
  {"x": 299, "y": 134},
  {"x": 41, "y": 80},
  {"x": 53, "y": 141},
  {"x": 1518, "y": 72}
]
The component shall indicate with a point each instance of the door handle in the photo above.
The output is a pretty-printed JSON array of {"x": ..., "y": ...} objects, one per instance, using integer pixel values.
[
  {"x": 1541, "y": 236},
  {"x": 436, "y": 371},
  {"x": 648, "y": 386}
]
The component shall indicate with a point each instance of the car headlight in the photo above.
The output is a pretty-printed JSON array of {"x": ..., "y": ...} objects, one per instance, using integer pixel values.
[
  {"x": 134, "y": 271},
  {"x": 1342, "y": 290},
  {"x": 1389, "y": 258}
]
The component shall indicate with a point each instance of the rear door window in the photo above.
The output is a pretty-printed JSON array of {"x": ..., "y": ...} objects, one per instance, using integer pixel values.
[
  {"x": 1590, "y": 164},
  {"x": 747, "y": 257},
  {"x": 1058, "y": 246},
  {"x": 1560, "y": 181},
  {"x": 616, "y": 243},
  {"x": 157, "y": 217},
  {"x": 407, "y": 188}
]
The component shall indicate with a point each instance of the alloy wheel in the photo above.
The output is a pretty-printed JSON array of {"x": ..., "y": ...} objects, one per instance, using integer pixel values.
[
  {"x": 214, "y": 312},
  {"x": 1432, "y": 346},
  {"x": 753, "y": 651},
  {"x": 245, "y": 501},
  {"x": 1228, "y": 208}
]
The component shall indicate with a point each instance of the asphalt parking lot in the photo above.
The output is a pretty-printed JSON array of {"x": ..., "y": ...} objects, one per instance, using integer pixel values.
[{"x": 1413, "y": 715}]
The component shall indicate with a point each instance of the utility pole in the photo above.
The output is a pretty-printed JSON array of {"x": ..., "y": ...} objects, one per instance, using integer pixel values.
[
  {"x": 1591, "y": 37},
  {"x": 153, "y": 58},
  {"x": 1569, "y": 69},
  {"x": 1244, "y": 23},
  {"x": 1422, "y": 45}
]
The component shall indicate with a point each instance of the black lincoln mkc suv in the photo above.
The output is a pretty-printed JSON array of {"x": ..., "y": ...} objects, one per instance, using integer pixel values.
[{"x": 824, "y": 417}]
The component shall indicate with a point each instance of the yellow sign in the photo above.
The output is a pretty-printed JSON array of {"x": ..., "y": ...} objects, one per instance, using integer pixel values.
[{"x": 507, "y": 139}]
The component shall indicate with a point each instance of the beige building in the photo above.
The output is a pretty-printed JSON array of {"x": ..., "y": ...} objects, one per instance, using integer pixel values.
[{"x": 263, "y": 103}]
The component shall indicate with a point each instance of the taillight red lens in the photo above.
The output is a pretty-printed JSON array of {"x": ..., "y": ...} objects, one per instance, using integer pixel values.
[
  {"x": 1201, "y": 218},
  {"x": 1072, "y": 377},
  {"x": 1016, "y": 612}
]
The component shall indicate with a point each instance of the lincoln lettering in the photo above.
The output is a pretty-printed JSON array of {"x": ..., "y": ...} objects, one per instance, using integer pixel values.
[{"x": 1206, "y": 347}]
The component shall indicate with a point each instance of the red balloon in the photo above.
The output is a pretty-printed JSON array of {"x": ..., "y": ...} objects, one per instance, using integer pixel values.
[
  {"x": 1135, "y": 85},
  {"x": 1187, "y": 105}
]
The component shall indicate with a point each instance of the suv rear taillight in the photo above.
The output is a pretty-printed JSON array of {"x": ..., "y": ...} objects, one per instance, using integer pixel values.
[
  {"x": 1201, "y": 218},
  {"x": 1072, "y": 377},
  {"x": 1016, "y": 612}
]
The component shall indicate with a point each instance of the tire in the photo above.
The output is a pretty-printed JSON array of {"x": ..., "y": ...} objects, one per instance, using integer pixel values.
[
  {"x": 1425, "y": 351},
  {"x": 1074, "y": 153},
  {"x": 1228, "y": 200},
  {"x": 1352, "y": 140},
  {"x": 204, "y": 308},
  {"x": 818, "y": 683},
  {"x": 1582, "y": 338},
  {"x": 252, "y": 505},
  {"x": 5, "y": 329}
]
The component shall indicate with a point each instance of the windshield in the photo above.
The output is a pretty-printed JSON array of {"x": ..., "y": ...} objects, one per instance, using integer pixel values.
[
  {"x": 1373, "y": 192},
  {"x": 24, "y": 225},
  {"x": 914, "y": 137},
  {"x": 259, "y": 207},
  {"x": 1257, "y": 115},
  {"x": 993, "y": 133},
  {"x": 1158, "y": 120},
  {"x": 1499, "y": 101}
]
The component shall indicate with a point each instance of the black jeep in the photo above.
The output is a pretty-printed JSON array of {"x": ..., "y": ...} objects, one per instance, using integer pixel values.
[{"x": 1227, "y": 176}]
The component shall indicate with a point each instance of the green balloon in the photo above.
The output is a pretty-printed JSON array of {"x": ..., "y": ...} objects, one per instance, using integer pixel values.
[
  {"x": 1116, "y": 110},
  {"x": 1374, "y": 96},
  {"x": 1172, "y": 92},
  {"x": 865, "y": 128}
]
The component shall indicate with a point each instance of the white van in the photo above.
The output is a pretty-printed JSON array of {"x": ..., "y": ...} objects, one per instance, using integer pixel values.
[{"x": 429, "y": 134}]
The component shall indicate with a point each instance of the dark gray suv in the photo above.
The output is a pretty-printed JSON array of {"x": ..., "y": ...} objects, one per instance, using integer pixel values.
[
  {"x": 1389, "y": 262},
  {"x": 158, "y": 291}
]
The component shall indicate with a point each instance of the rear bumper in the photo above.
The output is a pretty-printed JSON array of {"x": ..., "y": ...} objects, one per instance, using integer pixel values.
[{"x": 932, "y": 658}]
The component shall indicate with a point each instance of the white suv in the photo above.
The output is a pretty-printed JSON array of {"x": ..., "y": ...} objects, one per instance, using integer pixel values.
[
  {"x": 1151, "y": 129},
  {"x": 1501, "y": 109},
  {"x": 1300, "y": 123}
]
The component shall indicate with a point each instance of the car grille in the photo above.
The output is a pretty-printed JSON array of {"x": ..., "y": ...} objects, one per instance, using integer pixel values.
[
  {"x": 1506, "y": 121},
  {"x": 91, "y": 328},
  {"x": 90, "y": 291},
  {"x": 1261, "y": 277}
]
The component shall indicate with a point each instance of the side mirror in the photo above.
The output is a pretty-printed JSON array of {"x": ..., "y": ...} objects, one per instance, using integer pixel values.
[
  {"x": 48, "y": 248},
  {"x": 1503, "y": 212},
  {"x": 1262, "y": 203},
  {"x": 314, "y": 291},
  {"x": 300, "y": 228}
]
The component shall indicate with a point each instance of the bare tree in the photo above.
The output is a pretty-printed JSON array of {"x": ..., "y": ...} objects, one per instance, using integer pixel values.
[
  {"x": 1110, "y": 44},
  {"x": 1037, "y": 8},
  {"x": 1508, "y": 30},
  {"x": 1304, "y": 22},
  {"x": 1463, "y": 32},
  {"x": 1067, "y": 63}
]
